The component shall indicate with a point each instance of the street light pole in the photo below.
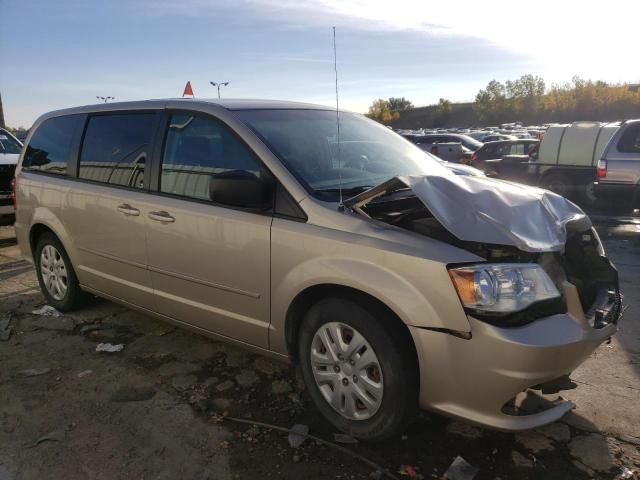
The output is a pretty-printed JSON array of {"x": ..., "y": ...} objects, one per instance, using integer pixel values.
[
  {"x": 105, "y": 99},
  {"x": 219, "y": 84}
]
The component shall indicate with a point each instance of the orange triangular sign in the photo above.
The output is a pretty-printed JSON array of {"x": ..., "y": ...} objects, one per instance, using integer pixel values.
[{"x": 188, "y": 90}]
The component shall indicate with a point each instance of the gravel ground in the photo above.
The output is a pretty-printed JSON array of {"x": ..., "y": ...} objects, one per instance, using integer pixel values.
[{"x": 155, "y": 409}]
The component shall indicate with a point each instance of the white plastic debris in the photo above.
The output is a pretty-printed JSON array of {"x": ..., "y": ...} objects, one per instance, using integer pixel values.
[
  {"x": 627, "y": 473},
  {"x": 298, "y": 434},
  {"x": 109, "y": 348},
  {"x": 47, "y": 311},
  {"x": 460, "y": 469},
  {"x": 84, "y": 373}
]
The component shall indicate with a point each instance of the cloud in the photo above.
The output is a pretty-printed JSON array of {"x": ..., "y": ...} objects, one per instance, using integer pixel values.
[{"x": 567, "y": 36}]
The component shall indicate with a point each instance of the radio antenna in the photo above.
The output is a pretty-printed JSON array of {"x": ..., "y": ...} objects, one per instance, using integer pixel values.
[{"x": 335, "y": 69}]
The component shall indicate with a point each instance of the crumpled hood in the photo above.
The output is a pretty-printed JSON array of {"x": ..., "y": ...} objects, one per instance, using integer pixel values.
[{"x": 486, "y": 210}]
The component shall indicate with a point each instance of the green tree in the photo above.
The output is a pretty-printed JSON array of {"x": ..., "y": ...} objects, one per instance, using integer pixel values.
[
  {"x": 444, "y": 107},
  {"x": 380, "y": 110},
  {"x": 491, "y": 103},
  {"x": 397, "y": 104}
]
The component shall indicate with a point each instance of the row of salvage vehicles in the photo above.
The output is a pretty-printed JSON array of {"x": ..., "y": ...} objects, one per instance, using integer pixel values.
[{"x": 594, "y": 164}]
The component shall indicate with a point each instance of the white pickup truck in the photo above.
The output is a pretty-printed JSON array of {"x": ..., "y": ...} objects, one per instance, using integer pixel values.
[
  {"x": 10, "y": 148},
  {"x": 592, "y": 163}
]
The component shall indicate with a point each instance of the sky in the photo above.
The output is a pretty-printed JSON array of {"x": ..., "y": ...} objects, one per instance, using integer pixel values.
[{"x": 62, "y": 53}]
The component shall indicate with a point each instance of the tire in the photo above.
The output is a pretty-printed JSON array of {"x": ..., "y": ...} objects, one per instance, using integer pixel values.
[
  {"x": 557, "y": 183},
  {"x": 73, "y": 296},
  {"x": 588, "y": 196},
  {"x": 396, "y": 370}
]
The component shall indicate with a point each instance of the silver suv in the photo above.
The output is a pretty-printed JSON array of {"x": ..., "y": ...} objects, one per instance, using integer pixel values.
[{"x": 393, "y": 283}]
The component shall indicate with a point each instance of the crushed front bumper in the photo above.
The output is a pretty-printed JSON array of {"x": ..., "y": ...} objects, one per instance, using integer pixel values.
[{"x": 474, "y": 379}]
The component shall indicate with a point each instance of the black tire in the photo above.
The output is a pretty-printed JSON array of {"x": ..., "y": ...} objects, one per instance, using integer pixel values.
[
  {"x": 557, "y": 183},
  {"x": 74, "y": 296},
  {"x": 397, "y": 360}
]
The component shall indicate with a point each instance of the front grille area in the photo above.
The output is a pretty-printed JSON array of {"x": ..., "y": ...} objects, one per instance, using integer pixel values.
[{"x": 7, "y": 173}]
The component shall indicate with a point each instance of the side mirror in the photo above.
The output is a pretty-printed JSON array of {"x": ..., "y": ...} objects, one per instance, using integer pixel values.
[{"x": 239, "y": 188}]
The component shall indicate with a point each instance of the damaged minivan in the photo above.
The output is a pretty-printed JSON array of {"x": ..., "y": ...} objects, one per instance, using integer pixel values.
[{"x": 324, "y": 239}]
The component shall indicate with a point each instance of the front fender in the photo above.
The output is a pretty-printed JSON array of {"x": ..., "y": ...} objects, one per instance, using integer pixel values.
[{"x": 419, "y": 291}]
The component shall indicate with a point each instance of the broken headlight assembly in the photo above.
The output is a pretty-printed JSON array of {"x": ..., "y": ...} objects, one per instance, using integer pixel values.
[{"x": 506, "y": 289}]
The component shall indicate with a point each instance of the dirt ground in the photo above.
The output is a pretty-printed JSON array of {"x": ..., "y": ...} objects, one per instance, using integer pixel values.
[{"x": 154, "y": 410}]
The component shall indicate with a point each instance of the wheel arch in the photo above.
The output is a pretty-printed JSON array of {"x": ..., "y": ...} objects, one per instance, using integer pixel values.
[{"x": 313, "y": 294}]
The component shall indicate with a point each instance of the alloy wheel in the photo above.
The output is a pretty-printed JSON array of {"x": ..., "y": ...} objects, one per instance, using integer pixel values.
[
  {"x": 347, "y": 371},
  {"x": 54, "y": 272}
]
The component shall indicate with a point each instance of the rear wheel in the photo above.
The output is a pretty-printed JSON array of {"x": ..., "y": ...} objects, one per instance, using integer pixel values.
[
  {"x": 56, "y": 275},
  {"x": 358, "y": 369},
  {"x": 557, "y": 183}
]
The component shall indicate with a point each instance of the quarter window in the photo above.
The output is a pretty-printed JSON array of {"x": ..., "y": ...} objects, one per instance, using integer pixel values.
[
  {"x": 630, "y": 140},
  {"x": 51, "y": 145},
  {"x": 116, "y": 148},
  {"x": 196, "y": 148}
]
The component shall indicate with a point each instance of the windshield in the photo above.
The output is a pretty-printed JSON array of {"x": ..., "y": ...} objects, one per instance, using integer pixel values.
[
  {"x": 8, "y": 144},
  {"x": 368, "y": 153}
]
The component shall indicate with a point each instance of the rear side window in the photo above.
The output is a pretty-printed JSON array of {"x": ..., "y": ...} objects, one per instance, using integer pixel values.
[
  {"x": 116, "y": 148},
  {"x": 197, "y": 148},
  {"x": 51, "y": 144},
  {"x": 630, "y": 140},
  {"x": 8, "y": 144},
  {"x": 517, "y": 149}
]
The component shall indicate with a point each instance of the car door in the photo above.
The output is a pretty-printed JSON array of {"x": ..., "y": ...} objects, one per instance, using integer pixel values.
[
  {"x": 106, "y": 207},
  {"x": 209, "y": 262}
]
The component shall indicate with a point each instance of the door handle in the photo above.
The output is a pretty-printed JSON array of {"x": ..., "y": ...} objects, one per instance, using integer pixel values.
[
  {"x": 161, "y": 216},
  {"x": 128, "y": 210}
]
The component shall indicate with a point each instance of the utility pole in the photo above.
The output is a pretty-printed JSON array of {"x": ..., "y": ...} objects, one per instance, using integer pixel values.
[
  {"x": 105, "y": 99},
  {"x": 1, "y": 114},
  {"x": 219, "y": 84}
]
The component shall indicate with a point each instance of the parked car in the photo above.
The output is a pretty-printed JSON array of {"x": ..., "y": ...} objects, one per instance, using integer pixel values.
[
  {"x": 568, "y": 158},
  {"x": 497, "y": 137},
  {"x": 618, "y": 168},
  {"x": 498, "y": 149},
  {"x": 10, "y": 148},
  {"x": 394, "y": 283},
  {"x": 425, "y": 141}
]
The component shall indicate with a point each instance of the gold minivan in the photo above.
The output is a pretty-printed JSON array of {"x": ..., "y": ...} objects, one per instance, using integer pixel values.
[{"x": 325, "y": 239}]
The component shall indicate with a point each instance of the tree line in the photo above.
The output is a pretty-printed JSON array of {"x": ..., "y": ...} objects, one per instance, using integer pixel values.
[{"x": 529, "y": 99}]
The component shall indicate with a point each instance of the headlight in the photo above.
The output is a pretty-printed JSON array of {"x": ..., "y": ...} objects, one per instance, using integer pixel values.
[{"x": 502, "y": 287}]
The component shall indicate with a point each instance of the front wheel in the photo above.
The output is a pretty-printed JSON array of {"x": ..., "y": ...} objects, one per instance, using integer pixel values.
[{"x": 358, "y": 369}]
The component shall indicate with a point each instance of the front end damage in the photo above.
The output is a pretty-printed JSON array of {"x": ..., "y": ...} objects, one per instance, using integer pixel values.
[{"x": 478, "y": 376}]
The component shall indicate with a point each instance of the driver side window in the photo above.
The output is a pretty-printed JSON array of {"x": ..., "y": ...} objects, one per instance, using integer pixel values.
[{"x": 196, "y": 148}]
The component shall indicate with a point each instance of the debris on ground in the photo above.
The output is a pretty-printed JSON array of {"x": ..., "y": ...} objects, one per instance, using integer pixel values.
[
  {"x": 626, "y": 474},
  {"x": 109, "y": 348},
  {"x": 84, "y": 373},
  {"x": 224, "y": 386},
  {"x": 519, "y": 460},
  {"x": 297, "y": 435},
  {"x": 47, "y": 311},
  {"x": 460, "y": 469},
  {"x": 342, "y": 438},
  {"x": 407, "y": 471},
  {"x": 280, "y": 386},
  {"x": 5, "y": 329},
  {"x": 56, "y": 436},
  {"x": 33, "y": 372}
]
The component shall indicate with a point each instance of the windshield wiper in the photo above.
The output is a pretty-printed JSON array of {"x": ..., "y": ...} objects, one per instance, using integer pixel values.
[{"x": 346, "y": 191}]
